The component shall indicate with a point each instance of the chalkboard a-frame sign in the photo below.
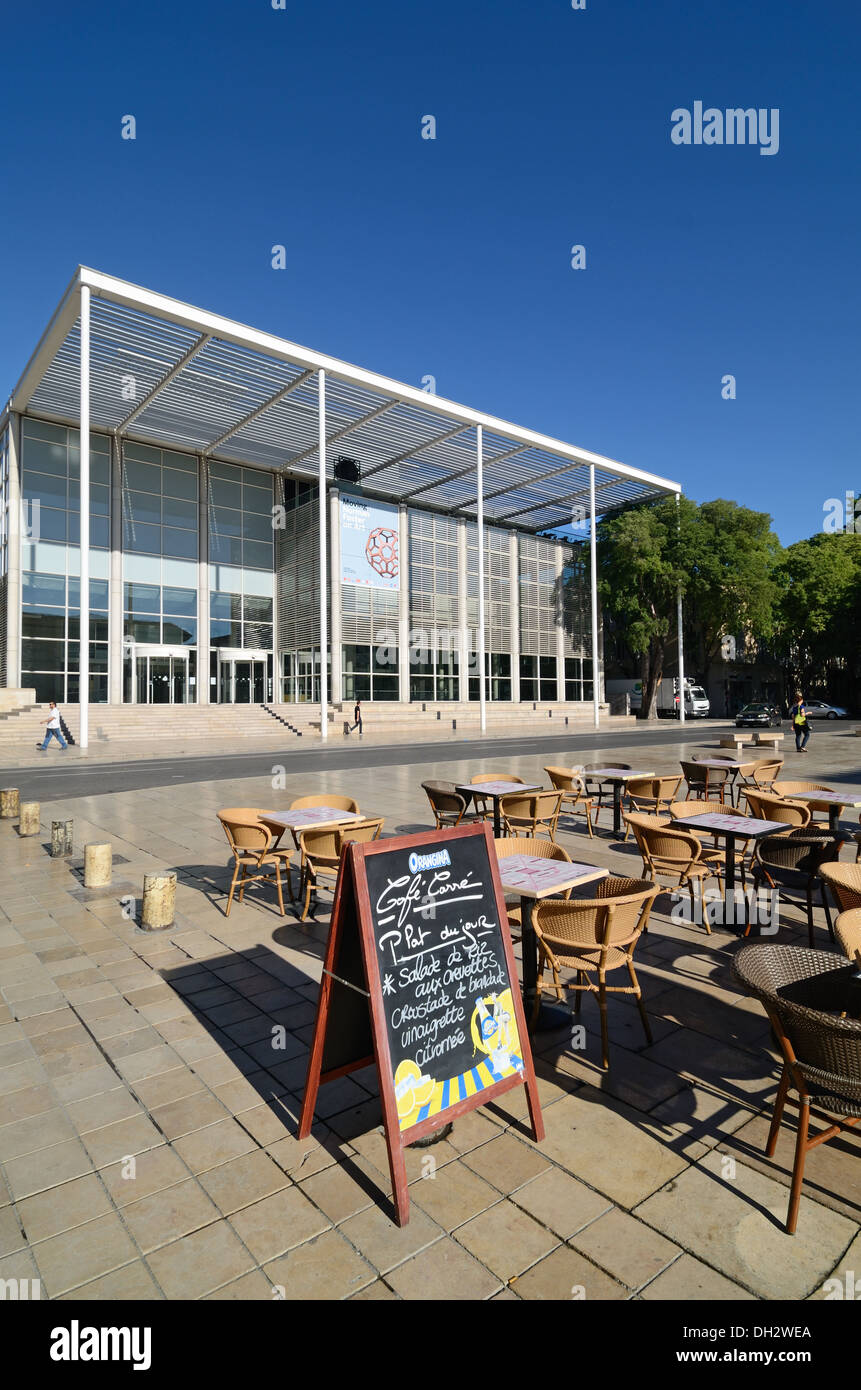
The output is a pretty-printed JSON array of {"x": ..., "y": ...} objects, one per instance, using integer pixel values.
[{"x": 420, "y": 977}]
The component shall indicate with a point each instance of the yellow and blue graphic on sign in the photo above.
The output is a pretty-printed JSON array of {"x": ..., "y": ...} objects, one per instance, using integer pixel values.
[{"x": 496, "y": 1044}]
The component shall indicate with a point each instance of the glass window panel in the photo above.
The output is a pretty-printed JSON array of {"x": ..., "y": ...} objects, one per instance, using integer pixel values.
[
  {"x": 224, "y": 494},
  {"x": 225, "y": 550},
  {"x": 98, "y": 627},
  {"x": 186, "y": 463},
  {"x": 51, "y": 524},
  {"x": 44, "y": 589},
  {"x": 181, "y": 603},
  {"x": 100, "y": 500},
  {"x": 548, "y": 668},
  {"x": 143, "y": 568},
  {"x": 43, "y": 624},
  {"x": 224, "y": 521},
  {"x": 51, "y": 492},
  {"x": 385, "y": 687},
  {"x": 258, "y": 582},
  {"x": 257, "y": 499},
  {"x": 142, "y": 598},
  {"x": 230, "y": 471},
  {"x": 142, "y": 506},
  {"x": 257, "y": 610},
  {"x": 100, "y": 530},
  {"x": 47, "y": 687},
  {"x": 355, "y": 658},
  {"x": 258, "y": 554},
  {"x": 385, "y": 657},
  {"x": 257, "y": 527},
  {"x": 146, "y": 538},
  {"x": 178, "y": 512},
  {"x": 180, "y": 634},
  {"x": 42, "y": 655},
  {"x": 45, "y": 457},
  {"x": 146, "y": 630},
  {"x": 176, "y": 542},
  {"x": 145, "y": 477},
  {"x": 257, "y": 636},
  {"x": 225, "y": 606},
  {"x": 142, "y": 451},
  {"x": 100, "y": 469},
  {"x": 223, "y": 634},
  {"x": 180, "y": 484},
  {"x": 98, "y": 594}
]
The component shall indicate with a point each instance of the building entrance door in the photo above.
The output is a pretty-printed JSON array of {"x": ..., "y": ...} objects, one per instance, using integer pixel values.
[
  {"x": 161, "y": 679},
  {"x": 242, "y": 679}
]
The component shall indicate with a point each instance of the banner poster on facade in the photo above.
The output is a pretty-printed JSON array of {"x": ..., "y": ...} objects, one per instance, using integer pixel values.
[{"x": 370, "y": 547}]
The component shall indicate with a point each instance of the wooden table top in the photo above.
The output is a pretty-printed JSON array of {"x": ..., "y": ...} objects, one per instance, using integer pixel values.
[{"x": 531, "y": 876}]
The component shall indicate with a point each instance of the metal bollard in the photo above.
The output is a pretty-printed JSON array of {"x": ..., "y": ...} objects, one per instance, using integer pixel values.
[
  {"x": 29, "y": 822},
  {"x": 159, "y": 901},
  {"x": 98, "y": 864},
  {"x": 9, "y": 803}
]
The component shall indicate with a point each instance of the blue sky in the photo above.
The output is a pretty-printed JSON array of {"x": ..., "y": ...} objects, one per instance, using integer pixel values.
[{"x": 451, "y": 256}]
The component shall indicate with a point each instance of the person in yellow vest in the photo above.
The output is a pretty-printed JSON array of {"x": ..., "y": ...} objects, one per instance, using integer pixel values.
[{"x": 800, "y": 723}]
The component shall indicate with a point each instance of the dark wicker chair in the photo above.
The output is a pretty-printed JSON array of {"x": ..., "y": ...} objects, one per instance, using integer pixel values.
[
  {"x": 805, "y": 993},
  {"x": 447, "y": 803},
  {"x": 708, "y": 783},
  {"x": 790, "y": 862},
  {"x": 598, "y": 790}
]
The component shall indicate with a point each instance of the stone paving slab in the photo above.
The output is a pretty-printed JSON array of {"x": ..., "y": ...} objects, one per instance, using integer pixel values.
[{"x": 147, "y": 1122}]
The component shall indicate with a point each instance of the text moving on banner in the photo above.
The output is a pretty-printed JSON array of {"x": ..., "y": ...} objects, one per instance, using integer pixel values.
[{"x": 370, "y": 545}]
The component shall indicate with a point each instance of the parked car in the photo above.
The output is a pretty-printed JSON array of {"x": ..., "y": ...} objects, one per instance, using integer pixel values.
[
  {"x": 817, "y": 709},
  {"x": 765, "y": 716}
]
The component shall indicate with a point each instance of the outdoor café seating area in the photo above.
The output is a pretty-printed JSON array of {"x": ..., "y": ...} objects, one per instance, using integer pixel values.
[{"x": 719, "y": 825}]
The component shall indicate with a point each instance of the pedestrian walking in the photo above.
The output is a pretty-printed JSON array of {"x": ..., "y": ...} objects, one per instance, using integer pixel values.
[
  {"x": 357, "y": 716},
  {"x": 53, "y": 728},
  {"x": 800, "y": 723}
]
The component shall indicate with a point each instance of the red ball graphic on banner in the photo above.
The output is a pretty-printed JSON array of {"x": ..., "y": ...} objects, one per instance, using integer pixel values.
[{"x": 381, "y": 550}]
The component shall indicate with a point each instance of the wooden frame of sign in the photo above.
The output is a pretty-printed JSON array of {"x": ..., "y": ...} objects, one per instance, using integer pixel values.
[{"x": 447, "y": 999}]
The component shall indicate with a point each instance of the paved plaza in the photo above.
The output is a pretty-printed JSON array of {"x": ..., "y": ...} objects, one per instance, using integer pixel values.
[{"x": 150, "y": 1086}]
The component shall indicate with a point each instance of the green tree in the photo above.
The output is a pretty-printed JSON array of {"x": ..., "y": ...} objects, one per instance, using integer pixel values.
[{"x": 819, "y": 615}]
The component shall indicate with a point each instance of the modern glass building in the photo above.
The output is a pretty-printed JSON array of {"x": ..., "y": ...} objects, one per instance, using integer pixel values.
[{"x": 267, "y": 524}]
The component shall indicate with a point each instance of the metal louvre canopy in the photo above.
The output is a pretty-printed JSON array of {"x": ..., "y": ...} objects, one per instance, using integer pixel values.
[{"x": 167, "y": 374}]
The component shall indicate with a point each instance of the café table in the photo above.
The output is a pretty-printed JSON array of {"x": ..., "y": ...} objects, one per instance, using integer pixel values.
[
  {"x": 533, "y": 878},
  {"x": 619, "y": 777},
  {"x": 736, "y": 769},
  {"x": 496, "y": 791},
  {"x": 730, "y": 828},
  {"x": 835, "y": 801},
  {"x": 306, "y": 818}
]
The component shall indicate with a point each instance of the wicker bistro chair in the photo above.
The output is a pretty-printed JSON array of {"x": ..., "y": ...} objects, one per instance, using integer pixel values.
[
  {"x": 713, "y": 852},
  {"x": 653, "y": 795},
  {"x": 529, "y": 815},
  {"x": 669, "y": 852},
  {"x": 818, "y": 809},
  {"x": 844, "y": 880},
  {"x": 847, "y": 930},
  {"x": 597, "y": 790},
  {"x": 805, "y": 993},
  {"x": 593, "y": 936},
  {"x": 762, "y": 774},
  {"x": 573, "y": 789},
  {"x": 321, "y": 854},
  {"x": 483, "y": 804},
  {"x": 338, "y": 803},
  {"x": 705, "y": 782},
  {"x": 449, "y": 806},
  {"x": 254, "y": 848},
  {"x": 540, "y": 849},
  {"x": 764, "y": 806},
  {"x": 791, "y": 862}
]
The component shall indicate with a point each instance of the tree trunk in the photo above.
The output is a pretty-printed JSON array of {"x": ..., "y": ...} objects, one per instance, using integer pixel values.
[{"x": 652, "y": 672}]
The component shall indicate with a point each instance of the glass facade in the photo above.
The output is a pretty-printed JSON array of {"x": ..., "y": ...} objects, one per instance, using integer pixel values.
[{"x": 252, "y": 632}]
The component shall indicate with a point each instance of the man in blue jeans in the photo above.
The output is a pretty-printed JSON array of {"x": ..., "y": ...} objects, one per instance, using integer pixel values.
[{"x": 53, "y": 727}]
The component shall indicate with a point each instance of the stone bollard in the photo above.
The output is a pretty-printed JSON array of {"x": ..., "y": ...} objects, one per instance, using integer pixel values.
[
  {"x": 29, "y": 822},
  {"x": 61, "y": 838},
  {"x": 98, "y": 860},
  {"x": 159, "y": 899},
  {"x": 9, "y": 803}
]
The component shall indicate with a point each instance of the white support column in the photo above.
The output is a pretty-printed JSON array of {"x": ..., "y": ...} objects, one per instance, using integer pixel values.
[
  {"x": 335, "y": 585},
  {"x": 560, "y": 626},
  {"x": 463, "y": 642},
  {"x": 84, "y": 497},
  {"x": 324, "y": 576},
  {"x": 116, "y": 648},
  {"x": 479, "y": 480},
  {"x": 681, "y": 657},
  {"x": 514, "y": 614},
  {"x": 204, "y": 689},
  {"x": 404, "y": 605},
  {"x": 593, "y": 570},
  {"x": 13, "y": 539}
]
